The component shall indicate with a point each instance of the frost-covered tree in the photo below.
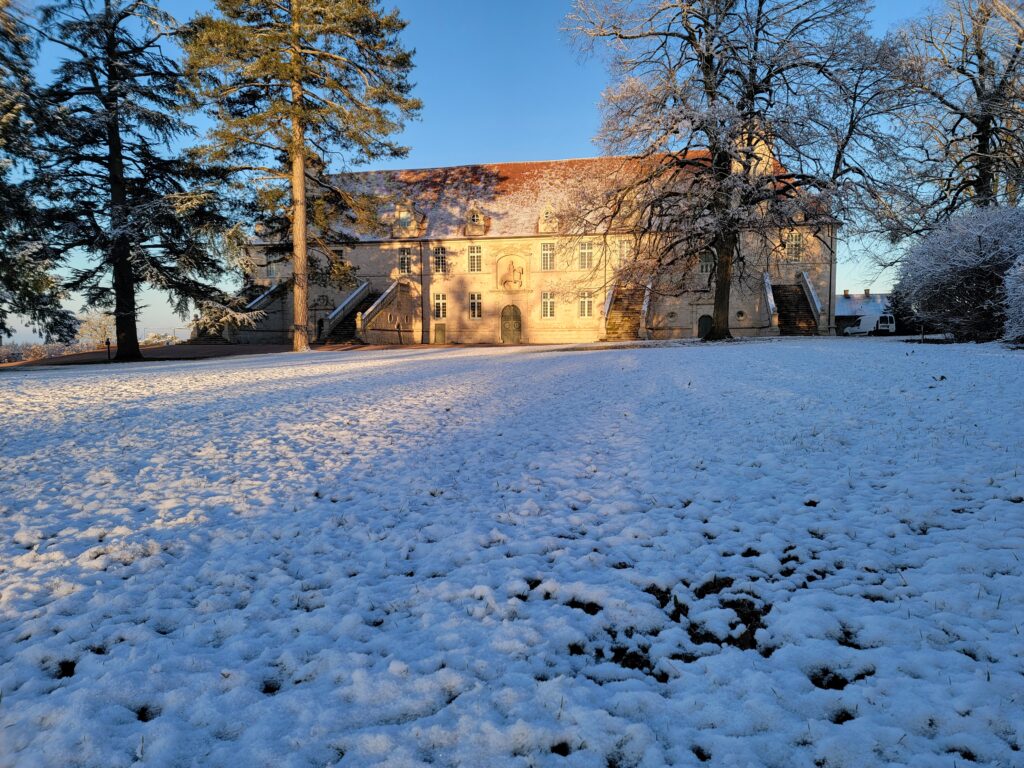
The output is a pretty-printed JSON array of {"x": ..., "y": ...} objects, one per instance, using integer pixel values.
[
  {"x": 1014, "y": 288},
  {"x": 294, "y": 86},
  {"x": 96, "y": 328},
  {"x": 121, "y": 194},
  {"x": 28, "y": 285},
  {"x": 963, "y": 145},
  {"x": 746, "y": 114},
  {"x": 954, "y": 277}
]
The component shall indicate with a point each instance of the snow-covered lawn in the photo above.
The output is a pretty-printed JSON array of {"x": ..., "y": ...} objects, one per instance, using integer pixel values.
[{"x": 787, "y": 553}]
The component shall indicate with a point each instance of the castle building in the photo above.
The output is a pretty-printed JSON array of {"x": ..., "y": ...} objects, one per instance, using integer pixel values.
[{"x": 476, "y": 254}]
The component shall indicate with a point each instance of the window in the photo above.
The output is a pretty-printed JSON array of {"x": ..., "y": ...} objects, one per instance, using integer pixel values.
[
  {"x": 547, "y": 304},
  {"x": 586, "y": 304},
  {"x": 586, "y": 255},
  {"x": 271, "y": 271},
  {"x": 625, "y": 252},
  {"x": 404, "y": 261},
  {"x": 440, "y": 306},
  {"x": 476, "y": 306},
  {"x": 440, "y": 259},
  {"x": 475, "y": 260},
  {"x": 794, "y": 246},
  {"x": 707, "y": 263},
  {"x": 547, "y": 256},
  {"x": 475, "y": 218},
  {"x": 403, "y": 217}
]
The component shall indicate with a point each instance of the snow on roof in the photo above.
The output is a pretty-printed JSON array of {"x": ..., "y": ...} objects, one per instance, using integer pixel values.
[
  {"x": 512, "y": 197},
  {"x": 859, "y": 304}
]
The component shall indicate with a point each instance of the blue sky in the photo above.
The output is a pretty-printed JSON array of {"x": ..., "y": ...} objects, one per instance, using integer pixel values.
[{"x": 500, "y": 82}]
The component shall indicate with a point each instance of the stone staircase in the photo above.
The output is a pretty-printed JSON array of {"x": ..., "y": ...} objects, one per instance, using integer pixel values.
[
  {"x": 345, "y": 330},
  {"x": 623, "y": 322},
  {"x": 796, "y": 318}
]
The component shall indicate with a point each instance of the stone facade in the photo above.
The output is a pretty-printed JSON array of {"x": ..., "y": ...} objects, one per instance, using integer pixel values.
[{"x": 472, "y": 255}]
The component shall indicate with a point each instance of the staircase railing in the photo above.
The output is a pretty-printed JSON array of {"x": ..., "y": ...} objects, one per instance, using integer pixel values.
[
  {"x": 262, "y": 298},
  {"x": 769, "y": 302},
  {"x": 362, "y": 318},
  {"x": 812, "y": 297},
  {"x": 343, "y": 310},
  {"x": 608, "y": 305},
  {"x": 645, "y": 309}
]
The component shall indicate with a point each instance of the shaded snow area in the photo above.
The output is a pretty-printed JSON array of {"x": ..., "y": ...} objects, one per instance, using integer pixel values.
[{"x": 771, "y": 553}]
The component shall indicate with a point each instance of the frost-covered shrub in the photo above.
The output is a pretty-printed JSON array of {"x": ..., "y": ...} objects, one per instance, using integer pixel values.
[
  {"x": 954, "y": 277},
  {"x": 1015, "y": 301},
  {"x": 10, "y": 353},
  {"x": 158, "y": 340}
]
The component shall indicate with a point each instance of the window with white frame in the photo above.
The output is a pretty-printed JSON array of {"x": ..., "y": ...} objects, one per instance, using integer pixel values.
[
  {"x": 271, "y": 270},
  {"x": 794, "y": 246},
  {"x": 547, "y": 256},
  {"x": 405, "y": 261},
  {"x": 586, "y": 255},
  {"x": 475, "y": 217},
  {"x": 547, "y": 304},
  {"x": 440, "y": 306},
  {"x": 440, "y": 259},
  {"x": 403, "y": 217},
  {"x": 625, "y": 252},
  {"x": 475, "y": 258},
  {"x": 707, "y": 263},
  {"x": 476, "y": 306},
  {"x": 587, "y": 304}
]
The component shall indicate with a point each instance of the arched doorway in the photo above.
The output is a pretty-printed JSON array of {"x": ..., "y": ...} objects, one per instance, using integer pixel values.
[
  {"x": 704, "y": 325},
  {"x": 511, "y": 325}
]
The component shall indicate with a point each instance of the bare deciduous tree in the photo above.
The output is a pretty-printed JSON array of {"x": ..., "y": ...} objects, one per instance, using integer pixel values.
[
  {"x": 745, "y": 115},
  {"x": 964, "y": 145}
]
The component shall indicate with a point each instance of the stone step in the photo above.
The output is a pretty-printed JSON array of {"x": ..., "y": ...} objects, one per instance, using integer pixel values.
[
  {"x": 795, "y": 315},
  {"x": 345, "y": 330}
]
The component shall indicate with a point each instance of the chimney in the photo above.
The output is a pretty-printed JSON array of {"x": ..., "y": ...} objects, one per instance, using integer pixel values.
[
  {"x": 846, "y": 293},
  {"x": 867, "y": 293}
]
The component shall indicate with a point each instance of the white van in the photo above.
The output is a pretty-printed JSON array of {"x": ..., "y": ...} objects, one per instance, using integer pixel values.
[{"x": 872, "y": 325}]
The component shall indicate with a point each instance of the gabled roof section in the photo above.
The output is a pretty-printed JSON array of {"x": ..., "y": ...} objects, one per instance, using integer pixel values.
[
  {"x": 859, "y": 304},
  {"x": 513, "y": 196}
]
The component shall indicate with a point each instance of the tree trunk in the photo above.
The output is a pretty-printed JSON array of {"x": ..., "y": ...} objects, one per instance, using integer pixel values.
[
  {"x": 124, "y": 304},
  {"x": 725, "y": 251},
  {"x": 300, "y": 274},
  {"x": 724, "y": 245},
  {"x": 985, "y": 177},
  {"x": 120, "y": 249},
  {"x": 300, "y": 266}
]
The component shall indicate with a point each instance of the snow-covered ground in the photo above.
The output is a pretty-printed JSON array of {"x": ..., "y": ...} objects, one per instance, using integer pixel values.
[{"x": 787, "y": 553}]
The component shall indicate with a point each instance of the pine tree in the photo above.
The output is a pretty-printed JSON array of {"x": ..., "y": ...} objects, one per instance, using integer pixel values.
[
  {"x": 120, "y": 192},
  {"x": 28, "y": 286},
  {"x": 294, "y": 86}
]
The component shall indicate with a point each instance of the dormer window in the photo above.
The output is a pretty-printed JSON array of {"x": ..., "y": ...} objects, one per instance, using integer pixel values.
[
  {"x": 404, "y": 219},
  {"x": 548, "y": 221},
  {"x": 475, "y": 223}
]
